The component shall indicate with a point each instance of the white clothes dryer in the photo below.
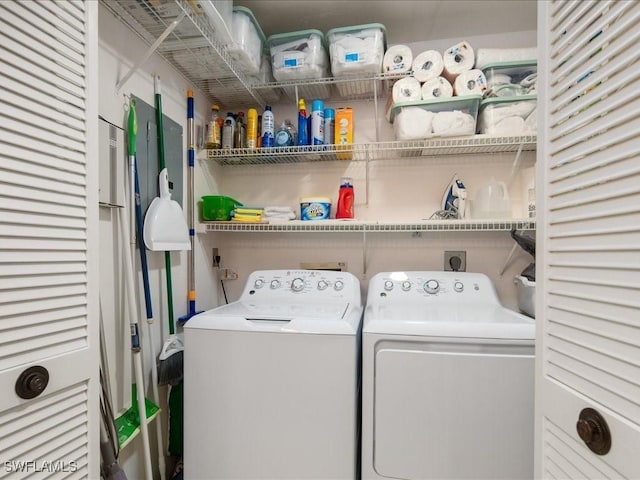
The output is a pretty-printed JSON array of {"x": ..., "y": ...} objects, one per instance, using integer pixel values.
[
  {"x": 272, "y": 380},
  {"x": 447, "y": 380}
]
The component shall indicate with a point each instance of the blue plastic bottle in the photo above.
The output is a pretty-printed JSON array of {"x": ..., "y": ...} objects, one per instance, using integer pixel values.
[
  {"x": 317, "y": 122},
  {"x": 303, "y": 123},
  {"x": 268, "y": 127}
]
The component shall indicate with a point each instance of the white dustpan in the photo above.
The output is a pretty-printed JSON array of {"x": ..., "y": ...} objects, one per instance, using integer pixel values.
[{"x": 164, "y": 225}]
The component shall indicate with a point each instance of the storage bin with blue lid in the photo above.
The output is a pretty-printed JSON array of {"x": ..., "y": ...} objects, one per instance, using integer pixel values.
[
  {"x": 357, "y": 50},
  {"x": 248, "y": 41}
]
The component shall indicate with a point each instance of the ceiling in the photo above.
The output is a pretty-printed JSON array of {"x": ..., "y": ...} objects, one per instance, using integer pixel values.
[{"x": 406, "y": 21}]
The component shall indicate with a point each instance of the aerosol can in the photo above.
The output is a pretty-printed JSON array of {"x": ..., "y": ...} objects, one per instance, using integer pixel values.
[{"x": 454, "y": 199}]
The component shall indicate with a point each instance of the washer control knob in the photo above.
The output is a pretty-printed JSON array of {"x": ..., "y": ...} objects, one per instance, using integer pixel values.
[
  {"x": 322, "y": 285},
  {"x": 338, "y": 285},
  {"x": 274, "y": 284},
  {"x": 458, "y": 286},
  {"x": 431, "y": 286},
  {"x": 388, "y": 285},
  {"x": 297, "y": 284},
  {"x": 259, "y": 283},
  {"x": 406, "y": 285}
]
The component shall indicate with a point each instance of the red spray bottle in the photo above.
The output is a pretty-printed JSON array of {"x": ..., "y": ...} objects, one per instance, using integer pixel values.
[{"x": 346, "y": 198}]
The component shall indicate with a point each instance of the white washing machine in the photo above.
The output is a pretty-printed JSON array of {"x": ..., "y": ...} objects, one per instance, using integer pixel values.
[
  {"x": 272, "y": 380},
  {"x": 447, "y": 380}
]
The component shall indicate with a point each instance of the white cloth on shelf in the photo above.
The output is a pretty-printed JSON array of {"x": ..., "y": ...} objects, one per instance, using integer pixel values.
[{"x": 453, "y": 123}]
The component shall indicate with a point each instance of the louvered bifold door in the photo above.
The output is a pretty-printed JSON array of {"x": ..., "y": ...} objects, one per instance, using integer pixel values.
[
  {"x": 588, "y": 277},
  {"x": 48, "y": 239}
]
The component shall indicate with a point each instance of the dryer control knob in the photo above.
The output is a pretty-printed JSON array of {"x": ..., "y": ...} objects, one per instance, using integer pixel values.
[
  {"x": 458, "y": 286},
  {"x": 406, "y": 285},
  {"x": 338, "y": 285},
  {"x": 322, "y": 285},
  {"x": 275, "y": 284},
  {"x": 259, "y": 283},
  {"x": 297, "y": 284},
  {"x": 388, "y": 285},
  {"x": 431, "y": 286}
]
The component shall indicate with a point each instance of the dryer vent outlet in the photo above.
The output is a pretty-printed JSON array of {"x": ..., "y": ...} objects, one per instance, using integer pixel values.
[{"x": 455, "y": 261}]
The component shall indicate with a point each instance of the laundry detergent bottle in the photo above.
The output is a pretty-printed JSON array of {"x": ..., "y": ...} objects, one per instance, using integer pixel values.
[{"x": 346, "y": 198}]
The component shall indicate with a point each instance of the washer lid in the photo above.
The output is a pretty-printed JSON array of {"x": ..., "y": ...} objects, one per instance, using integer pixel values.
[
  {"x": 316, "y": 318},
  {"x": 449, "y": 320}
]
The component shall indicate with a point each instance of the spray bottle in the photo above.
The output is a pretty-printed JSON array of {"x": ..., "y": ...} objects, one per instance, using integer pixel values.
[
  {"x": 346, "y": 198},
  {"x": 268, "y": 127},
  {"x": 303, "y": 133}
]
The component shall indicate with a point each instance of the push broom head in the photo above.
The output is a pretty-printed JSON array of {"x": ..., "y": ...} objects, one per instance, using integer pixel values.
[{"x": 171, "y": 362}]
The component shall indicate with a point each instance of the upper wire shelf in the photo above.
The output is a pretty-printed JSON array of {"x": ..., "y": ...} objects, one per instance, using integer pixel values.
[{"x": 374, "y": 151}]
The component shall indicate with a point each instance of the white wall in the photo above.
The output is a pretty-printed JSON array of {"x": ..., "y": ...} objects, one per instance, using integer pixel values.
[{"x": 401, "y": 189}]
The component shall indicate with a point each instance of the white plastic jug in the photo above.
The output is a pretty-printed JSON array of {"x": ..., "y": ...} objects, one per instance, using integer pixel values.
[{"x": 492, "y": 201}]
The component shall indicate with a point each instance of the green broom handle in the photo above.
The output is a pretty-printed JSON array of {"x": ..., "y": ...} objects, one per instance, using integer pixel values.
[{"x": 162, "y": 165}]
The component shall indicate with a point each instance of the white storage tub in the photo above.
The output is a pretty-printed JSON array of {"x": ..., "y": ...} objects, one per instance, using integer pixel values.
[
  {"x": 510, "y": 79},
  {"x": 357, "y": 50},
  {"x": 526, "y": 295},
  {"x": 447, "y": 117},
  {"x": 508, "y": 115},
  {"x": 248, "y": 41},
  {"x": 298, "y": 55}
]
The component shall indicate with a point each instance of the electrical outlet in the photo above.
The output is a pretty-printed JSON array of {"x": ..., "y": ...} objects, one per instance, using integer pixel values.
[
  {"x": 228, "y": 274},
  {"x": 455, "y": 261},
  {"x": 215, "y": 255}
]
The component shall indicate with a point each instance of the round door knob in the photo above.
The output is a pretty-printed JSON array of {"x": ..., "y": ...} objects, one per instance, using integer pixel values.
[
  {"x": 32, "y": 382},
  {"x": 593, "y": 430}
]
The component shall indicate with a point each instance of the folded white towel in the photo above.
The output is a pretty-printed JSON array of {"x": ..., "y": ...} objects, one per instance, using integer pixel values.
[
  {"x": 274, "y": 210},
  {"x": 281, "y": 217}
]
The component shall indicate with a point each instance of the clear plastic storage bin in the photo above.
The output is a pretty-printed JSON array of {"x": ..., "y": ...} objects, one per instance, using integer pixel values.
[
  {"x": 508, "y": 115},
  {"x": 510, "y": 79},
  {"x": 298, "y": 55},
  {"x": 357, "y": 50},
  {"x": 447, "y": 117},
  {"x": 248, "y": 41}
]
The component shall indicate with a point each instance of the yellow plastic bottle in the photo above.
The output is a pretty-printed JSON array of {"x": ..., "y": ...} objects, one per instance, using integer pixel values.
[{"x": 252, "y": 128}]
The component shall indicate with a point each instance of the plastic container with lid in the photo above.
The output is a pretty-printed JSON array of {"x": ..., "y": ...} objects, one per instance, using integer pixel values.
[
  {"x": 357, "y": 50},
  {"x": 509, "y": 79},
  {"x": 446, "y": 117},
  {"x": 508, "y": 115},
  {"x": 300, "y": 55},
  {"x": 315, "y": 208},
  {"x": 248, "y": 41}
]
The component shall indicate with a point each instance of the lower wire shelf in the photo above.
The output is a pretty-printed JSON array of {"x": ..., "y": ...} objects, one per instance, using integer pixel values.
[{"x": 346, "y": 226}]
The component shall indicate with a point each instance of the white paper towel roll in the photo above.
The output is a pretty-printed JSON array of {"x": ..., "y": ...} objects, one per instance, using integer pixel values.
[
  {"x": 406, "y": 90},
  {"x": 494, "y": 55},
  {"x": 427, "y": 65},
  {"x": 438, "y": 87},
  {"x": 457, "y": 59},
  {"x": 397, "y": 59},
  {"x": 470, "y": 82}
]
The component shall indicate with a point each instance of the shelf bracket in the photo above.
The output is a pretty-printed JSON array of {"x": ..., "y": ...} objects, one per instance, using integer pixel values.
[{"x": 151, "y": 49}]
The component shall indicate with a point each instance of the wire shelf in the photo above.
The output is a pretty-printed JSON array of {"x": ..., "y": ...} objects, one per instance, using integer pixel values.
[
  {"x": 374, "y": 151},
  {"x": 337, "y": 226}
]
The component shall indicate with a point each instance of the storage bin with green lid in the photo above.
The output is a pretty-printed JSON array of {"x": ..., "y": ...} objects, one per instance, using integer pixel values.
[
  {"x": 445, "y": 117},
  {"x": 300, "y": 55},
  {"x": 248, "y": 41},
  {"x": 508, "y": 116},
  {"x": 357, "y": 50},
  {"x": 510, "y": 79}
]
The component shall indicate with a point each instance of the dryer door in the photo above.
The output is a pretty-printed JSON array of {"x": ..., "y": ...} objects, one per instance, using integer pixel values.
[{"x": 453, "y": 410}]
